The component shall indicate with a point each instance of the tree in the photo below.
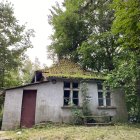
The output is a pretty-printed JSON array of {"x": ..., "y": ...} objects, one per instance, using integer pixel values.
[
  {"x": 27, "y": 70},
  {"x": 108, "y": 40},
  {"x": 127, "y": 71},
  {"x": 69, "y": 30},
  {"x": 127, "y": 23},
  {"x": 83, "y": 33},
  {"x": 125, "y": 76},
  {"x": 99, "y": 50},
  {"x": 14, "y": 41}
]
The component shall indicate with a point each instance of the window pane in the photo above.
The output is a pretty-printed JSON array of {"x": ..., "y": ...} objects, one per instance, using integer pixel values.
[
  {"x": 66, "y": 84},
  {"x": 100, "y": 86},
  {"x": 75, "y": 94},
  {"x": 75, "y": 101},
  {"x": 100, "y": 102},
  {"x": 66, "y": 101},
  {"x": 108, "y": 102},
  {"x": 66, "y": 93},
  {"x": 75, "y": 85},
  {"x": 66, "y": 97},
  {"x": 108, "y": 99},
  {"x": 100, "y": 94},
  {"x": 108, "y": 95}
]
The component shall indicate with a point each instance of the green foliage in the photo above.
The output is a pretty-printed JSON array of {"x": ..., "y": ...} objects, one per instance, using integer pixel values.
[
  {"x": 82, "y": 33},
  {"x": 69, "y": 30},
  {"x": 1, "y": 113},
  {"x": 27, "y": 70},
  {"x": 85, "y": 104},
  {"x": 78, "y": 113},
  {"x": 100, "y": 48},
  {"x": 127, "y": 71},
  {"x": 127, "y": 23},
  {"x": 125, "y": 76},
  {"x": 14, "y": 40},
  {"x": 1, "y": 106},
  {"x": 102, "y": 36}
]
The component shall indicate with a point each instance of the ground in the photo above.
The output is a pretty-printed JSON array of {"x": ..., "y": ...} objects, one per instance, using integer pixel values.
[{"x": 70, "y": 132}]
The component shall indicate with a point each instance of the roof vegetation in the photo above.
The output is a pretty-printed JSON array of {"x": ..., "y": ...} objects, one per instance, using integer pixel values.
[{"x": 68, "y": 69}]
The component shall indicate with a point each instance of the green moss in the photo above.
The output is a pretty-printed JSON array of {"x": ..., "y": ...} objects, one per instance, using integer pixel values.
[
  {"x": 86, "y": 77},
  {"x": 68, "y": 69}
]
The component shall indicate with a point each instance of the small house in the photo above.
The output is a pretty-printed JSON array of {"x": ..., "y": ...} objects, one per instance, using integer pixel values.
[{"x": 50, "y": 95}]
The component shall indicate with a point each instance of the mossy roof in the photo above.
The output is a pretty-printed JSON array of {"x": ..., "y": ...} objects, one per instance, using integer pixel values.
[{"x": 67, "y": 69}]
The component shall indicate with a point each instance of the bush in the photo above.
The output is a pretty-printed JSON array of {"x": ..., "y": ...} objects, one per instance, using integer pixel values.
[
  {"x": 1, "y": 115},
  {"x": 77, "y": 115}
]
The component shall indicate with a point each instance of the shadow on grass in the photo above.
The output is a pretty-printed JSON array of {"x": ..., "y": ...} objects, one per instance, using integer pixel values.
[
  {"x": 48, "y": 125},
  {"x": 130, "y": 125},
  {"x": 134, "y": 125}
]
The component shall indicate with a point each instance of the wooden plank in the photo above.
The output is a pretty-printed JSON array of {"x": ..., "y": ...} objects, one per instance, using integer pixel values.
[
  {"x": 106, "y": 120},
  {"x": 95, "y": 116},
  {"x": 92, "y": 124}
]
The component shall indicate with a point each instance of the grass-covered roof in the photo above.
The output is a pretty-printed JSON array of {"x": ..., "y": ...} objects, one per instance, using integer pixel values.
[{"x": 67, "y": 69}]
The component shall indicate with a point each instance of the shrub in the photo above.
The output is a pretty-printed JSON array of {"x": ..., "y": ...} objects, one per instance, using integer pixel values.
[{"x": 77, "y": 113}]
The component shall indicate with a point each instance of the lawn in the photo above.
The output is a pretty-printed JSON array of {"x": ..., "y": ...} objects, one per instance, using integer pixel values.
[{"x": 70, "y": 132}]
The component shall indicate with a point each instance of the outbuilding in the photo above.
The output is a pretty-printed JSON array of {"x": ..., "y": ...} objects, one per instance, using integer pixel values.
[{"x": 49, "y": 98}]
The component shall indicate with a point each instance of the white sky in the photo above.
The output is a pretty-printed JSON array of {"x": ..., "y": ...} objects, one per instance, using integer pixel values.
[{"x": 35, "y": 14}]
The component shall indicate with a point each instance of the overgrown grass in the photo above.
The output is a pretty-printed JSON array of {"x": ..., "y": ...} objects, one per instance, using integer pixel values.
[{"x": 69, "y": 132}]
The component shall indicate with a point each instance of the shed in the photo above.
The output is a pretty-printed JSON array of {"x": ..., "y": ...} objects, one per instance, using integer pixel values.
[{"x": 50, "y": 98}]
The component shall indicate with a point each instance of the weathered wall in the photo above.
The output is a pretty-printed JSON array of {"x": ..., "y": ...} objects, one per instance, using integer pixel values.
[
  {"x": 12, "y": 109},
  {"x": 49, "y": 104},
  {"x": 117, "y": 109},
  {"x": 119, "y": 101}
]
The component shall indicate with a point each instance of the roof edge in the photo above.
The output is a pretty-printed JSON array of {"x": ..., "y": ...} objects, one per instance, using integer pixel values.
[
  {"x": 49, "y": 78},
  {"x": 27, "y": 85}
]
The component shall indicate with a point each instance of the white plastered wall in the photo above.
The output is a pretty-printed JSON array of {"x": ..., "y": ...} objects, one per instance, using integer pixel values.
[
  {"x": 12, "y": 109},
  {"x": 49, "y": 104}
]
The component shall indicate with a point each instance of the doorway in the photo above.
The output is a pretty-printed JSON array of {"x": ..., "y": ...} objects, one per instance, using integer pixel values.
[{"x": 28, "y": 108}]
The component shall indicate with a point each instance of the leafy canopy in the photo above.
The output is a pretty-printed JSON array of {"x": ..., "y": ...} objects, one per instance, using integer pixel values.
[
  {"x": 14, "y": 41},
  {"x": 82, "y": 33},
  {"x": 127, "y": 70},
  {"x": 127, "y": 23}
]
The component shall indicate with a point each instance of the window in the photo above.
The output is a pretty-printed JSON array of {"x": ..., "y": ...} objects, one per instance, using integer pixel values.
[
  {"x": 100, "y": 98},
  {"x": 104, "y": 95},
  {"x": 71, "y": 93}
]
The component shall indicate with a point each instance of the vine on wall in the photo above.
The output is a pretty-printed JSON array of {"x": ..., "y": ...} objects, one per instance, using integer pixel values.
[{"x": 79, "y": 113}]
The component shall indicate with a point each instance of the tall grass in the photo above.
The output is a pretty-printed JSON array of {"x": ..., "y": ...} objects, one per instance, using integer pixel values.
[{"x": 71, "y": 132}]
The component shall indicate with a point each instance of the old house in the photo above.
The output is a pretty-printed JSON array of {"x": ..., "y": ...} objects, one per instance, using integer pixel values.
[{"x": 51, "y": 93}]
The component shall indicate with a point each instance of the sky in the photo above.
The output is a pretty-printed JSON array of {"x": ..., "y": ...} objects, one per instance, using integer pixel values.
[{"x": 35, "y": 14}]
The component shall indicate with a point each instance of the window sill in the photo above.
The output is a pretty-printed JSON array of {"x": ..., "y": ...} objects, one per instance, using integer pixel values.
[
  {"x": 106, "y": 107},
  {"x": 71, "y": 107}
]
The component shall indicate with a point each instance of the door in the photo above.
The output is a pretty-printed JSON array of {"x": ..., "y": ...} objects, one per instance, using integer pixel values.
[{"x": 28, "y": 108}]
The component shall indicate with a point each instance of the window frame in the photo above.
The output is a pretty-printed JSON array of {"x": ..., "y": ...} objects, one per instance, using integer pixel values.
[
  {"x": 104, "y": 98},
  {"x": 71, "y": 97}
]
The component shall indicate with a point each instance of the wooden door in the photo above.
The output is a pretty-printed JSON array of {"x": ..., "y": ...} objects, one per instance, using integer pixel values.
[{"x": 28, "y": 108}]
